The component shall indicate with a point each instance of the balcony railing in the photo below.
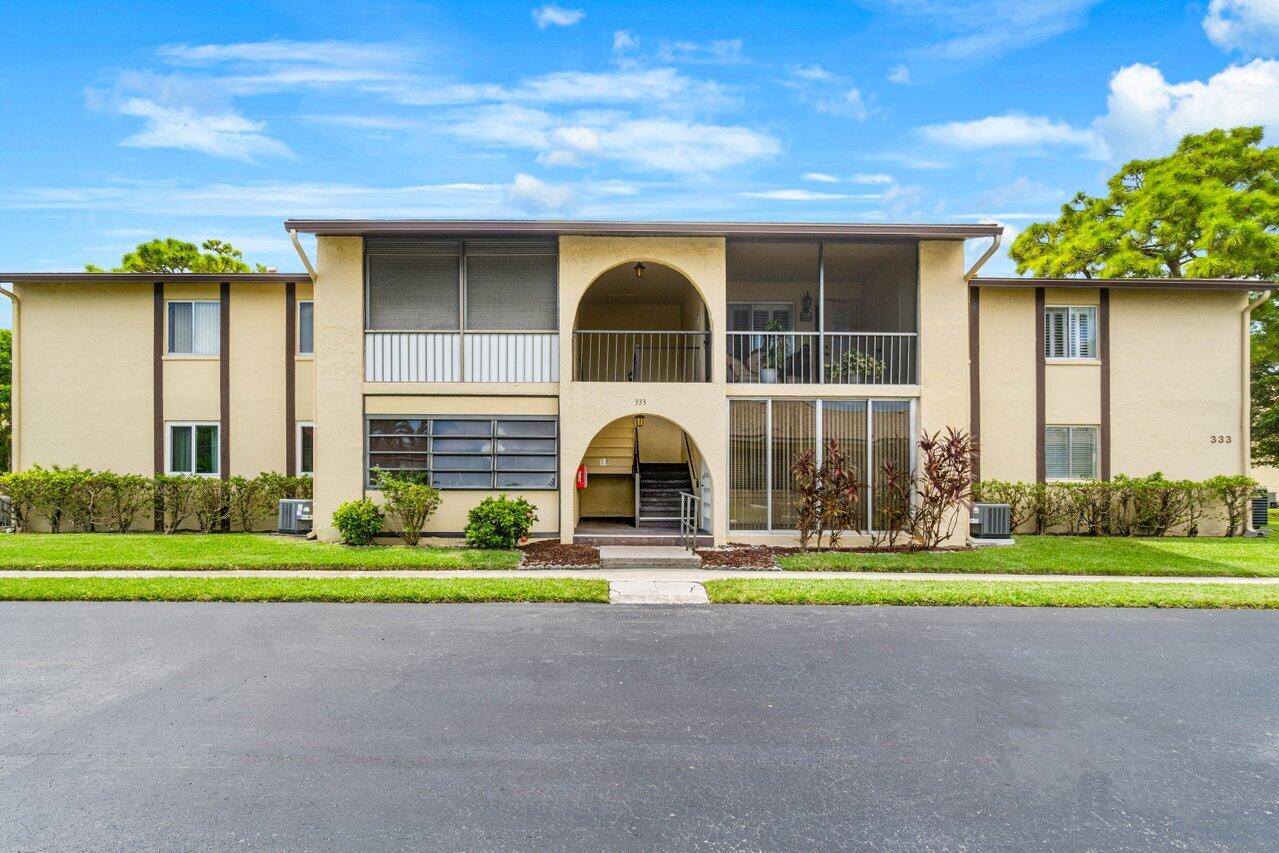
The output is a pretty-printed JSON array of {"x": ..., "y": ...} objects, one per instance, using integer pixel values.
[
  {"x": 603, "y": 356},
  {"x": 835, "y": 358},
  {"x": 461, "y": 357}
]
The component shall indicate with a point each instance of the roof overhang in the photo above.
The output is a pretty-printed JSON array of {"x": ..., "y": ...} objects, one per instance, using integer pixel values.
[
  {"x": 150, "y": 277},
  {"x": 1240, "y": 284},
  {"x": 556, "y": 228}
]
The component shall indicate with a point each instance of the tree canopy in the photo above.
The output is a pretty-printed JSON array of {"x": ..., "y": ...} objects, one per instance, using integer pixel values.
[
  {"x": 1208, "y": 210},
  {"x": 169, "y": 254}
]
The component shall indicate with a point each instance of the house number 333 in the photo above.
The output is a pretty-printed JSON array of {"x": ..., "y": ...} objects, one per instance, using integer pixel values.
[{"x": 1220, "y": 439}]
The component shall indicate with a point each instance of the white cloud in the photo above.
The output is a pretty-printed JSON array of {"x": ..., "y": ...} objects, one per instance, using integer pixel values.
[
  {"x": 821, "y": 178},
  {"x": 624, "y": 41},
  {"x": 552, "y": 15},
  {"x": 899, "y": 74},
  {"x": 1250, "y": 26},
  {"x": 1021, "y": 191},
  {"x": 225, "y": 134},
  {"x": 1010, "y": 131},
  {"x": 361, "y": 122},
  {"x": 717, "y": 52},
  {"x": 872, "y": 178},
  {"x": 248, "y": 68},
  {"x": 812, "y": 74},
  {"x": 983, "y": 29},
  {"x": 803, "y": 195},
  {"x": 850, "y": 103},
  {"x": 828, "y": 92},
  {"x": 530, "y": 193},
  {"x": 1146, "y": 115}
]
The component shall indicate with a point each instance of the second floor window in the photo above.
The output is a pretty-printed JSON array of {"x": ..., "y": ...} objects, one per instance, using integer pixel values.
[
  {"x": 306, "y": 328},
  {"x": 194, "y": 327},
  {"x": 1070, "y": 332}
]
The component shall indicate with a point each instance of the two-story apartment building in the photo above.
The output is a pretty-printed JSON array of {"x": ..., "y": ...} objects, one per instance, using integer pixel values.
[{"x": 600, "y": 369}]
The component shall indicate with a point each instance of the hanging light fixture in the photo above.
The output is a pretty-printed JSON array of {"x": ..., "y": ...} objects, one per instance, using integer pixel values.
[
  {"x": 639, "y": 270},
  {"x": 639, "y": 421}
]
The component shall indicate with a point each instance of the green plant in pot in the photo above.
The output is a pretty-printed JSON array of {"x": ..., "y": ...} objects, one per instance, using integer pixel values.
[
  {"x": 772, "y": 356},
  {"x": 852, "y": 363}
]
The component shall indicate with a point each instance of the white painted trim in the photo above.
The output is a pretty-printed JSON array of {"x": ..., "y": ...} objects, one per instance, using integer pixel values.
[{"x": 168, "y": 448}]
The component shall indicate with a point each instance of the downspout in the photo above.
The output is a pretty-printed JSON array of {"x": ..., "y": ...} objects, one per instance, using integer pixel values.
[
  {"x": 989, "y": 253},
  {"x": 1245, "y": 416},
  {"x": 13, "y": 379},
  {"x": 306, "y": 262}
]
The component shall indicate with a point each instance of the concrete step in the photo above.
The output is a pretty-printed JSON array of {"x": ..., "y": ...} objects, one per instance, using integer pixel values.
[{"x": 647, "y": 557}]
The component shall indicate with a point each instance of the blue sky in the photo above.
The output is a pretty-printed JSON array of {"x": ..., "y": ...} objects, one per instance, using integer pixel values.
[{"x": 120, "y": 122}]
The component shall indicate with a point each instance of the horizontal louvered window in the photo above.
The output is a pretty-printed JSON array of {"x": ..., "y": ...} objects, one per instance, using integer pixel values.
[
  {"x": 1070, "y": 452},
  {"x": 466, "y": 453},
  {"x": 413, "y": 293},
  {"x": 510, "y": 291},
  {"x": 1070, "y": 332}
]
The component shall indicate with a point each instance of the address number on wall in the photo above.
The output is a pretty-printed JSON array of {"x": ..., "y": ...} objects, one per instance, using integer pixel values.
[
  {"x": 640, "y": 401},
  {"x": 1221, "y": 439}
]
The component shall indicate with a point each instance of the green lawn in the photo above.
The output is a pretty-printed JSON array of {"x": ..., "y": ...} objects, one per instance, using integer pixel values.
[
  {"x": 1071, "y": 555},
  {"x": 228, "y": 551},
  {"x": 1027, "y": 593},
  {"x": 380, "y": 589}
]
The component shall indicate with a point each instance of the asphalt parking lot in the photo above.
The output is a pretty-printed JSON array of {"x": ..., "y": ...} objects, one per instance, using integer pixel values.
[{"x": 141, "y": 726}]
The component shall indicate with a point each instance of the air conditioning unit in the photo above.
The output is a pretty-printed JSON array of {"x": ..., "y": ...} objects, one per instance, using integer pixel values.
[
  {"x": 295, "y": 515},
  {"x": 1260, "y": 512},
  {"x": 991, "y": 524}
]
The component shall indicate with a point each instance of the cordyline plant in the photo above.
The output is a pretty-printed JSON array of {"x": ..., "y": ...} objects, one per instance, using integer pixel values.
[
  {"x": 827, "y": 496},
  {"x": 922, "y": 510}
]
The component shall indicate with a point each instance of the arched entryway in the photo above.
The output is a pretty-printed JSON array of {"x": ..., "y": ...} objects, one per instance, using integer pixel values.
[
  {"x": 630, "y": 481},
  {"x": 642, "y": 321}
]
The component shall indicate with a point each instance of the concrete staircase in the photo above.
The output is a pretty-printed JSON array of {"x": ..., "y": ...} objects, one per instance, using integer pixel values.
[
  {"x": 660, "y": 487},
  {"x": 647, "y": 557}
]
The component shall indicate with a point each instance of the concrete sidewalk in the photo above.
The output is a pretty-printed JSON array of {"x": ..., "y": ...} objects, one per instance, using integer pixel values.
[{"x": 619, "y": 575}]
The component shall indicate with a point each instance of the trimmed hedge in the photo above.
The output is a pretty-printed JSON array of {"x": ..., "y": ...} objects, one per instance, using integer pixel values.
[
  {"x": 1125, "y": 506},
  {"x": 80, "y": 499}
]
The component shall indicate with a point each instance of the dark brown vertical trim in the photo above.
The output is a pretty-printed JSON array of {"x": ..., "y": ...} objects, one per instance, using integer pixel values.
[
  {"x": 974, "y": 376},
  {"x": 290, "y": 378},
  {"x": 157, "y": 394},
  {"x": 1041, "y": 468},
  {"x": 224, "y": 388},
  {"x": 1103, "y": 352}
]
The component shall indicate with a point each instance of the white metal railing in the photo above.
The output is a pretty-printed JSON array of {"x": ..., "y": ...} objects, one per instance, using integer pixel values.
[
  {"x": 690, "y": 515},
  {"x": 461, "y": 357},
  {"x": 836, "y": 358},
  {"x": 607, "y": 356}
]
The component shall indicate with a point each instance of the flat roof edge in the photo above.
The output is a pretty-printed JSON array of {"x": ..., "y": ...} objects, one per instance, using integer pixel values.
[
  {"x": 149, "y": 277},
  {"x": 1128, "y": 283},
  {"x": 532, "y": 227}
]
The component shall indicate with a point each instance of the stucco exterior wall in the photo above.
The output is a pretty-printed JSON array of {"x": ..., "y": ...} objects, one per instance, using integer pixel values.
[
  {"x": 1007, "y": 384},
  {"x": 85, "y": 381},
  {"x": 257, "y": 365},
  {"x": 339, "y": 366},
  {"x": 698, "y": 408}
]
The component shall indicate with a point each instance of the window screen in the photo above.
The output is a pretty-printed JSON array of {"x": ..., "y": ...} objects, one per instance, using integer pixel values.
[
  {"x": 1070, "y": 453},
  {"x": 413, "y": 292},
  {"x": 193, "y": 449},
  {"x": 1070, "y": 332},
  {"x": 511, "y": 288},
  {"x": 306, "y": 328},
  {"x": 467, "y": 453},
  {"x": 195, "y": 327}
]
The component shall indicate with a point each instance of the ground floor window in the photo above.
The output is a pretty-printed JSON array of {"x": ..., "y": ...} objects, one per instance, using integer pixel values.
[
  {"x": 1070, "y": 453},
  {"x": 467, "y": 452},
  {"x": 765, "y": 436},
  {"x": 306, "y": 448},
  {"x": 194, "y": 448}
]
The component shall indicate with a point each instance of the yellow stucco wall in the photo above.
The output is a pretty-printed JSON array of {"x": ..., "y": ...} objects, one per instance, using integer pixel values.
[{"x": 1007, "y": 346}]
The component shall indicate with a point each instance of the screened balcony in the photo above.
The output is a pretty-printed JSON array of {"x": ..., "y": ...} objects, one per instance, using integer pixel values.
[
  {"x": 641, "y": 322},
  {"x": 461, "y": 311},
  {"x": 834, "y": 313}
]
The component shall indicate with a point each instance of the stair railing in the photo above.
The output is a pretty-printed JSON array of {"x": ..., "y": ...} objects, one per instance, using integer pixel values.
[
  {"x": 635, "y": 470},
  {"x": 690, "y": 514}
]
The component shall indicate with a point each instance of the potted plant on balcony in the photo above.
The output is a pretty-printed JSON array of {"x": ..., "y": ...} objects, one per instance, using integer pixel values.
[
  {"x": 852, "y": 363},
  {"x": 772, "y": 355}
]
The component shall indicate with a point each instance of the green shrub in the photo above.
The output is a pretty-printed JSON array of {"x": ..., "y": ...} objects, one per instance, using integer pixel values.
[
  {"x": 251, "y": 503},
  {"x": 409, "y": 503},
  {"x": 22, "y": 488},
  {"x": 1235, "y": 492},
  {"x": 176, "y": 494},
  {"x": 358, "y": 521},
  {"x": 123, "y": 496},
  {"x": 499, "y": 522}
]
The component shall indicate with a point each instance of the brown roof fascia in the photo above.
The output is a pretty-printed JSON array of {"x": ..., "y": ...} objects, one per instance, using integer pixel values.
[
  {"x": 1127, "y": 283},
  {"x": 149, "y": 277}
]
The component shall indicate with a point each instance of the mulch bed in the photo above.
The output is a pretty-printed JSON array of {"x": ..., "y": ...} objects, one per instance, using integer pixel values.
[
  {"x": 738, "y": 557},
  {"x": 548, "y": 552}
]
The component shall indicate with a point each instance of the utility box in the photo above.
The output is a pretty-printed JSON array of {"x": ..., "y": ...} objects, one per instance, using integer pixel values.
[
  {"x": 991, "y": 524},
  {"x": 295, "y": 516},
  {"x": 1260, "y": 512}
]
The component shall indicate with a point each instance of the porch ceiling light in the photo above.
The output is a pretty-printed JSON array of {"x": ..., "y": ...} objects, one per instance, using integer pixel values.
[
  {"x": 639, "y": 421},
  {"x": 639, "y": 270}
]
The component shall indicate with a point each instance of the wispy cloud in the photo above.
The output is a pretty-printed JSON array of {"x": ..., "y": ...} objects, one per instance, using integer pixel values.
[
  {"x": 805, "y": 195},
  {"x": 1012, "y": 131},
  {"x": 552, "y": 15},
  {"x": 821, "y": 178},
  {"x": 899, "y": 74},
  {"x": 828, "y": 92},
  {"x": 226, "y": 134},
  {"x": 529, "y": 193},
  {"x": 985, "y": 29},
  {"x": 716, "y": 52},
  {"x": 1250, "y": 26}
]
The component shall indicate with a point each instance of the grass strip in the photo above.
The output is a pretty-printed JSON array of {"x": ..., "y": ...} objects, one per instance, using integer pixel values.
[
  {"x": 393, "y": 590},
  {"x": 1070, "y": 555},
  {"x": 182, "y": 551},
  {"x": 994, "y": 593}
]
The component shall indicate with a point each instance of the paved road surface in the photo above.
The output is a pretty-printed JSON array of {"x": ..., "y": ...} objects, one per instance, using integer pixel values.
[{"x": 139, "y": 726}]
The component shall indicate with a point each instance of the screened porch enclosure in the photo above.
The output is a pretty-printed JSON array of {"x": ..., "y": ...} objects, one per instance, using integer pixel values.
[
  {"x": 461, "y": 311},
  {"x": 823, "y": 313},
  {"x": 766, "y": 436}
]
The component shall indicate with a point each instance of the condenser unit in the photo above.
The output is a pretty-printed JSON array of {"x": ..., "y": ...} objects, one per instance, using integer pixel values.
[
  {"x": 295, "y": 515},
  {"x": 991, "y": 523},
  {"x": 1260, "y": 512}
]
